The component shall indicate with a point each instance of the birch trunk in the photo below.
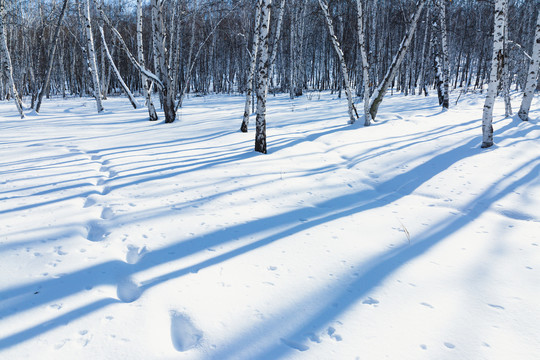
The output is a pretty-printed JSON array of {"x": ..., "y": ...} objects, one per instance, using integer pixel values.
[
  {"x": 131, "y": 58},
  {"x": 497, "y": 58},
  {"x": 52, "y": 50},
  {"x": 115, "y": 69},
  {"x": 160, "y": 61},
  {"x": 7, "y": 68},
  {"x": 506, "y": 72},
  {"x": 380, "y": 91},
  {"x": 152, "y": 114},
  {"x": 275, "y": 43},
  {"x": 365, "y": 63},
  {"x": 445, "y": 58},
  {"x": 426, "y": 48},
  {"x": 190, "y": 59},
  {"x": 92, "y": 55},
  {"x": 251, "y": 75},
  {"x": 337, "y": 47},
  {"x": 532, "y": 77},
  {"x": 262, "y": 79}
]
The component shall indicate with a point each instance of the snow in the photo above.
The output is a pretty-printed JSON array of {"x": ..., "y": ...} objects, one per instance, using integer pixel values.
[{"x": 126, "y": 239}]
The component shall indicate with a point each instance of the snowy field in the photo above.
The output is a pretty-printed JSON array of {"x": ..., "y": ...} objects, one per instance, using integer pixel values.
[{"x": 126, "y": 239}]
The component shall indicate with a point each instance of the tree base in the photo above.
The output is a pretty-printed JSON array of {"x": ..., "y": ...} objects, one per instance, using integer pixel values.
[{"x": 486, "y": 145}]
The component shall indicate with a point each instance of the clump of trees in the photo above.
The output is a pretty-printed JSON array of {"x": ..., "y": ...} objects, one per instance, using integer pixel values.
[{"x": 360, "y": 47}]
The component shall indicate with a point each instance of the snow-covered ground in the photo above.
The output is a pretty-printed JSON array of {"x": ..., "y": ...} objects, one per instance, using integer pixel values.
[{"x": 126, "y": 239}]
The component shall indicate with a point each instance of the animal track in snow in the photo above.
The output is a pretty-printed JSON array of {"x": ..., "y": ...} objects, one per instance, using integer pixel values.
[
  {"x": 370, "y": 301},
  {"x": 332, "y": 333},
  {"x": 184, "y": 334},
  {"x": 449, "y": 345}
]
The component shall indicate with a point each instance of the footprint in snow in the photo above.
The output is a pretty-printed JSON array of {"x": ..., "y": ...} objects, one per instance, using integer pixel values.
[
  {"x": 127, "y": 291},
  {"x": 89, "y": 202},
  {"x": 107, "y": 213},
  {"x": 96, "y": 232},
  {"x": 184, "y": 334},
  {"x": 134, "y": 254},
  {"x": 449, "y": 345}
]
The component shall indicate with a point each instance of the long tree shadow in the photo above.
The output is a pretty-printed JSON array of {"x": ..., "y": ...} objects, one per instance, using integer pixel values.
[
  {"x": 20, "y": 298},
  {"x": 335, "y": 303}
]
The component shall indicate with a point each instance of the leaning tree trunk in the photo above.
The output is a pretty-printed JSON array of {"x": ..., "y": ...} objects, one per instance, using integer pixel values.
[
  {"x": 52, "y": 51},
  {"x": 380, "y": 91},
  {"x": 365, "y": 63},
  {"x": 115, "y": 69},
  {"x": 160, "y": 61},
  {"x": 92, "y": 55},
  {"x": 501, "y": 8},
  {"x": 337, "y": 47},
  {"x": 251, "y": 75},
  {"x": 152, "y": 114},
  {"x": 7, "y": 68},
  {"x": 262, "y": 79},
  {"x": 534, "y": 67}
]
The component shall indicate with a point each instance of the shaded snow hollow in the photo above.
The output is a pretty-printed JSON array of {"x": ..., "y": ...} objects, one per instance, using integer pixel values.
[{"x": 126, "y": 239}]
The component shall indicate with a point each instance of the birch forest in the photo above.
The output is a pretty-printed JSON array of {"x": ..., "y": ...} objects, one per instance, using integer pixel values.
[{"x": 357, "y": 49}]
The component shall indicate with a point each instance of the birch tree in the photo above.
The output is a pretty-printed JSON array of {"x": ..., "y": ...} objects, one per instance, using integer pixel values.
[
  {"x": 532, "y": 77},
  {"x": 445, "y": 65},
  {"x": 52, "y": 51},
  {"x": 115, "y": 70},
  {"x": 7, "y": 67},
  {"x": 140, "y": 57},
  {"x": 365, "y": 63},
  {"x": 344, "y": 72},
  {"x": 380, "y": 91},
  {"x": 497, "y": 58},
  {"x": 91, "y": 53},
  {"x": 158, "y": 37},
  {"x": 277, "y": 37},
  {"x": 262, "y": 79},
  {"x": 253, "y": 64}
]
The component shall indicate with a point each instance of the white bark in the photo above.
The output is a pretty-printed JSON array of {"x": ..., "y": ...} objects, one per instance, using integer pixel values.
[
  {"x": 7, "y": 68},
  {"x": 50, "y": 62},
  {"x": 421, "y": 82},
  {"x": 506, "y": 72},
  {"x": 276, "y": 40},
  {"x": 191, "y": 61},
  {"x": 140, "y": 55},
  {"x": 532, "y": 77},
  {"x": 251, "y": 75},
  {"x": 337, "y": 47},
  {"x": 378, "y": 94},
  {"x": 365, "y": 63},
  {"x": 92, "y": 55},
  {"x": 162, "y": 69},
  {"x": 445, "y": 58},
  {"x": 262, "y": 79},
  {"x": 115, "y": 69},
  {"x": 501, "y": 7},
  {"x": 134, "y": 61}
]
